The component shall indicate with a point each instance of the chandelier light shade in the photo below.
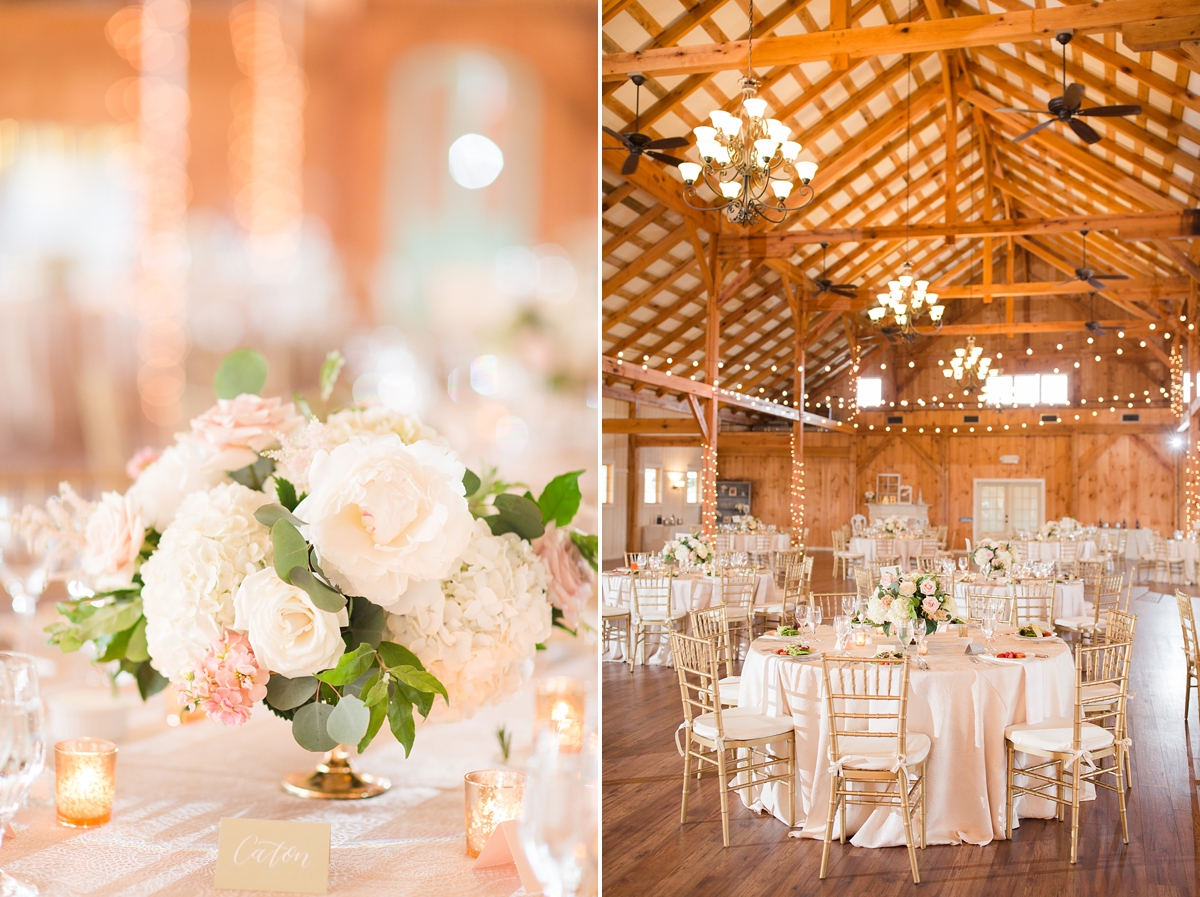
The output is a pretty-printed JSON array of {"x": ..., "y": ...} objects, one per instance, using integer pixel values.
[
  {"x": 969, "y": 367},
  {"x": 744, "y": 156},
  {"x": 906, "y": 303}
]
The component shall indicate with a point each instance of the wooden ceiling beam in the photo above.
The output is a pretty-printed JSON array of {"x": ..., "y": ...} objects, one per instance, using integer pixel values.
[
  {"x": 902, "y": 37},
  {"x": 1035, "y": 327},
  {"x": 1133, "y": 289},
  {"x": 623, "y": 313}
]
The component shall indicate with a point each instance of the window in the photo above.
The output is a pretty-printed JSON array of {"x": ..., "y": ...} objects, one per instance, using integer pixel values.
[
  {"x": 1027, "y": 389},
  {"x": 870, "y": 392},
  {"x": 998, "y": 390},
  {"x": 652, "y": 486},
  {"x": 606, "y": 484},
  {"x": 693, "y": 487},
  {"x": 1054, "y": 389}
]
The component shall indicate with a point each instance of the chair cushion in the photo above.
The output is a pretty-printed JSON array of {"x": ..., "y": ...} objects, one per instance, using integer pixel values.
[
  {"x": 612, "y": 610},
  {"x": 866, "y": 752},
  {"x": 1099, "y": 690},
  {"x": 731, "y": 689},
  {"x": 742, "y": 724},
  {"x": 1055, "y": 734},
  {"x": 655, "y": 617},
  {"x": 736, "y": 614},
  {"x": 769, "y": 609},
  {"x": 1075, "y": 623}
]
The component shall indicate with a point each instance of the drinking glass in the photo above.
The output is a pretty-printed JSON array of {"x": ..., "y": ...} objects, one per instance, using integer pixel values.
[
  {"x": 22, "y": 747},
  {"x": 22, "y": 571},
  {"x": 962, "y": 565},
  {"x": 849, "y": 605},
  {"x": 989, "y": 625},
  {"x": 559, "y": 819},
  {"x": 803, "y": 617},
  {"x": 816, "y": 617},
  {"x": 903, "y": 632},
  {"x": 841, "y": 627}
]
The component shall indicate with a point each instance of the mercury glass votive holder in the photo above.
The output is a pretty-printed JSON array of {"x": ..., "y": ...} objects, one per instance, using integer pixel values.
[
  {"x": 85, "y": 772},
  {"x": 560, "y": 705},
  {"x": 493, "y": 796}
]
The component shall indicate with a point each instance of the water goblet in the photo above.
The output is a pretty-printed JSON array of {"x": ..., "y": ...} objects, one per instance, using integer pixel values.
[
  {"x": 903, "y": 631},
  {"x": 841, "y": 627},
  {"x": 558, "y": 826},
  {"x": 22, "y": 747},
  {"x": 962, "y": 565},
  {"x": 816, "y": 617},
  {"x": 849, "y": 604},
  {"x": 989, "y": 625}
]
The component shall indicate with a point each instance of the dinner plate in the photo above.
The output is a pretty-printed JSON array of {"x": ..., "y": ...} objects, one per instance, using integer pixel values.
[
  {"x": 993, "y": 658},
  {"x": 1034, "y": 638}
]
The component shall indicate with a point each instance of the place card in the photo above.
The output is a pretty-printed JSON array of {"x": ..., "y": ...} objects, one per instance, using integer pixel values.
[
  {"x": 503, "y": 848},
  {"x": 269, "y": 855}
]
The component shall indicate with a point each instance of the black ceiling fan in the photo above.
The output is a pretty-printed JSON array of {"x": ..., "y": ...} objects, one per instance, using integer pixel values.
[
  {"x": 1066, "y": 107},
  {"x": 638, "y": 145},
  {"x": 1092, "y": 324},
  {"x": 825, "y": 285},
  {"x": 1089, "y": 275}
]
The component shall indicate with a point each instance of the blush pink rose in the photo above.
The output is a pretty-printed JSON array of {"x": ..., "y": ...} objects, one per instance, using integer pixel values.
[
  {"x": 928, "y": 587},
  {"x": 930, "y": 605},
  {"x": 141, "y": 459},
  {"x": 570, "y": 575},
  {"x": 114, "y": 537},
  {"x": 241, "y": 428}
]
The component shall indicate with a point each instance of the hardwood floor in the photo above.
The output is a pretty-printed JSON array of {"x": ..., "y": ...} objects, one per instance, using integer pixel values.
[{"x": 647, "y": 852}]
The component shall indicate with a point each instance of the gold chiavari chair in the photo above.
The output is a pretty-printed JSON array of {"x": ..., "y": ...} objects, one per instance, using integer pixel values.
[
  {"x": 1122, "y": 548},
  {"x": 737, "y": 594},
  {"x": 979, "y": 602},
  {"x": 1147, "y": 559},
  {"x": 926, "y": 564},
  {"x": 710, "y": 623},
  {"x": 722, "y": 543},
  {"x": 926, "y": 557},
  {"x": 652, "y": 612},
  {"x": 870, "y": 745},
  {"x": 782, "y": 560},
  {"x": 1191, "y": 648},
  {"x": 843, "y": 555},
  {"x": 885, "y": 551},
  {"x": 1090, "y": 572},
  {"x": 864, "y": 584},
  {"x": 615, "y": 624},
  {"x": 829, "y": 602},
  {"x": 1095, "y": 616},
  {"x": 943, "y": 532},
  {"x": 1165, "y": 566},
  {"x": 779, "y": 612},
  {"x": 1073, "y": 746},
  {"x": 759, "y": 555},
  {"x": 806, "y": 575},
  {"x": 713, "y": 734},
  {"x": 1034, "y": 602},
  {"x": 1120, "y": 627},
  {"x": 1068, "y": 558}
]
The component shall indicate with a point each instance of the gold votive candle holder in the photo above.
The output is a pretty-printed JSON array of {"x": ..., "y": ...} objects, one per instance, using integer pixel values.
[
  {"x": 85, "y": 773},
  {"x": 493, "y": 796},
  {"x": 560, "y": 705},
  {"x": 860, "y": 637},
  {"x": 922, "y": 647}
]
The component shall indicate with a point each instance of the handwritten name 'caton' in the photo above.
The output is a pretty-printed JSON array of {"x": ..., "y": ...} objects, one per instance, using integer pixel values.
[{"x": 272, "y": 853}]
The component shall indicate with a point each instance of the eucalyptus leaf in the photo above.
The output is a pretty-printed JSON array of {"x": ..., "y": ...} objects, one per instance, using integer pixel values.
[
  {"x": 421, "y": 681},
  {"x": 286, "y": 694},
  {"x": 349, "y": 667},
  {"x": 348, "y": 722},
  {"x": 242, "y": 371},
  {"x": 400, "y": 719},
  {"x": 149, "y": 680},
  {"x": 378, "y": 715},
  {"x": 471, "y": 482},
  {"x": 269, "y": 515},
  {"x": 310, "y": 728},
  {"x": 136, "y": 648},
  {"x": 322, "y": 596},
  {"x": 254, "y": 476},
  {"x": 367, "y": 623},
  {"x": 291, "y": 550}
]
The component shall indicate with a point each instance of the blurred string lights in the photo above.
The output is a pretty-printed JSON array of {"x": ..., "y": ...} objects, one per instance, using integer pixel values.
[{"x": 154, "y": 38}]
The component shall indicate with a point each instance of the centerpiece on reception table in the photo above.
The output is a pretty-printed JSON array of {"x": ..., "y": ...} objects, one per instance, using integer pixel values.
[
  {"x": 993, "y": 557},
  {"x": 747, "y": 523},
  {"x": 909, "y": 596},
  {"x": 1058, "y": 529},
  {"x": 344, "y": 573},
  {"x": 895, "y": 525},
  {"x": 692, "y": 550}
]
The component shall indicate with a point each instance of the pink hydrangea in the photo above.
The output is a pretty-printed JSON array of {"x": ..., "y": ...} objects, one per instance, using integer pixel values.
[
  {"x": 227, "y": 682},
  {"x": 142, "y": 458}
]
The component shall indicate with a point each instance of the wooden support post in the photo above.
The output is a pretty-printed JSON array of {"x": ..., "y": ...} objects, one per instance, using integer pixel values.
[
  {"x": 632, "y": 543},
  {"x": 798, "y": 306},
  {"x": 951, "y": 144},
  {"x": 1008, "y": 302},
  {"x": 712, "y": 354}
]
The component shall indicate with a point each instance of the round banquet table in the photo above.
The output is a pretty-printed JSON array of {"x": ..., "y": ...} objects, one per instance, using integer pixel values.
[
  {"x": 1188, "y": 552},
  {"x": 1068, "y": 596},
  {"x": 963, "y": 707},
  {"x": 1049, "y": 551},
  {"x": 749, "y": 541},
  {"x": 905, "y": 547}
]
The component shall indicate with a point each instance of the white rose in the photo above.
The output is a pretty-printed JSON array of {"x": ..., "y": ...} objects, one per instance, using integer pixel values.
[
  {"x": 290, "y": 635},
  {"x": 114, "y": 539},
  {"x": 366, "y": 420},
  {"x": 908, "y": 589},
  {"x": 163, "y": 485},
  {"x": 383, "y": 515}
]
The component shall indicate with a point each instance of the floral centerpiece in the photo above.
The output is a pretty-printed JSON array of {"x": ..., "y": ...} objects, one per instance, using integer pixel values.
[
  {"x": 893, "y": 525},
  {"x": 747, "y": 523},
  {"x": 993, "y": 556},
  {"x": 343, "y": 572},
  {"x": 689, "y": 551},
  {"x": 1057, "y": 529},
  {"x": 909, "y": 596}
]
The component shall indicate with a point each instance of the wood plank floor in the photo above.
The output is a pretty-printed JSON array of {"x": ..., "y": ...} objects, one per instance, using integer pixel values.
[{"x": 647, "y": 852}]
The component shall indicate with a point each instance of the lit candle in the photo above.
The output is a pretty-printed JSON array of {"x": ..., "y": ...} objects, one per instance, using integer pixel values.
[
  {"x": 923, "y": 647},
  {"x": 860, "y": 638},
  {"x": 84, "y": 781},
  {"x": 493, "y": 796},
  {"x": 560, "y": 706}
]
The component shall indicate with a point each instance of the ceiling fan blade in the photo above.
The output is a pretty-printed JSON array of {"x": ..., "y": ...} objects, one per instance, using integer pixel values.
[
  {"x": 668, "y": 143},
  {"x": 1067, "y": 281},
  {"x": 665, "y": 159},
  {"x": 611, "y": 133},
  {"x": 1028, "y": 111},
  {"x": 1034, "y": 130},
  {"x": 1112, "y": 111},
  {"x": 1073, "y": 97},
  {"x": 849, "y": 294},
  {"x": 1095, "y": 283},
  {"x": 1084, "y": 131},
  {"x": 845, "y": 286},
  {"x": 1111, "y": 276},
  {"x": 631, "y": 163}
]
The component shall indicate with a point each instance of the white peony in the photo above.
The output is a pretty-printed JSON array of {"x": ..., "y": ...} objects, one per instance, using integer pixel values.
[
  {"x": 377, "y": 420},
  {"x": 384, "y": 515},
  {"x": 163, "y": 485},
  {"x": 290, "y": 635},
  {"x": 479, "y": 631},
  {"x": 212, "y": 545},
  {"x": 114, "y": 538}
]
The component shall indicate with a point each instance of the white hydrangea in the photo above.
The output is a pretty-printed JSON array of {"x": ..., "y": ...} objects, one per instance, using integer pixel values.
[
  {"x": 190, "y": 580},
  {"x": 377, "y": 420},
  {"x": 161, "y": 488},
  {"x": 479, "y": 632}
]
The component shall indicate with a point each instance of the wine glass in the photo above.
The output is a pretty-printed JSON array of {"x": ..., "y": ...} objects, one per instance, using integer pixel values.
[
  {"x": 903, "y": 632},
  {"x": 962, "y": 565},
  {"x": 841, "y": 627},
  {"x": 22, "y": 570},
  {"x": 849, "y": 605},
  {"x": 22, "y": 747},
  {"x": 804, "y": 617},
  {"x": 559, "y": 816},
  {"x": 989, "y": 625},
  {"x": 816, "y": 617}
]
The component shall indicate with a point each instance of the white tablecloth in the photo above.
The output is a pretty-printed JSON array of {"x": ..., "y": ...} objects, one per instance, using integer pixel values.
[
  {"x": 962, "y": 707},
  {"x": 1068, "y": 596},
  {"x": 1050, "y": 551},
  {"x": 868, "y": 547},
  {"x": 749, "y": 541}
]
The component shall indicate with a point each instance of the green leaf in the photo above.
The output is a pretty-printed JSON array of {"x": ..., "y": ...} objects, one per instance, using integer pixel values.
[
  {"x": 349, "y": 667},
  {"x": 302, "y": 404},
  {"x": 400, "y": 719},
  {"x": 420, "y": 680},
  {"x": 254, "y": 476},
  {"x": 287, "y": 694},
  {"x": 310, "y": 727},
  {"x": 322, "y": 596},
  {"x": 378, "y": 714},
  {"x": 367, "y": 623},
  {"x": 136, "y": 648},
  {"x": 376, "y": 690},
  {"x": 111, "y": 619},
  {"x": 112, "y": 647},
  {"x": 517, "y": 515},
  {"x": 348, "y": 722},
  {"x": 242, "y": 371},
  {"x": 560, "y": 499},
  {"x": 471, "y": 482},
  {"x": 589, "y": 547},
  {"x": 422, "y": 700},
  {"x": 269, "y": 515},
  {"x": 286, "y": 493},
  {"x": 149, "y": 680},
  {"x": 291, "y": 550},
  {"x": 397, "y": 655},
  {"x": 330, "y": 369}
]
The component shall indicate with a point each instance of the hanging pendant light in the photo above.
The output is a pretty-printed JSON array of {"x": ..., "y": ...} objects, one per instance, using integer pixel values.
[{"x": 969, "y": 367}]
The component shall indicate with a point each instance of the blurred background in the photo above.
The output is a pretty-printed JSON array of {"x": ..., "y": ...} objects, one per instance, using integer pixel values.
[{"x": 410, "y": 181}]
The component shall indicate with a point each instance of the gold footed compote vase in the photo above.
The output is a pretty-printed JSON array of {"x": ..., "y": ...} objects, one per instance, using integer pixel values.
[{"x": 335, "y": 779}]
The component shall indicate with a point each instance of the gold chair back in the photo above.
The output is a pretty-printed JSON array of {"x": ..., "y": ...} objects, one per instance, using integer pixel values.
[
  {"x": 866, "y": 698},
  {"x": 711, "y": 623},
  {"x": 737, "y": 590},
  {"x": 651, "y": 596},
  {"x": 829, "y": 602},
  {"x": 1108, "y": 596},
  {"x": 696, "y": 669},
  {"x": 1034, "y": 602},
  {"x": 978, "y": 603}
]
